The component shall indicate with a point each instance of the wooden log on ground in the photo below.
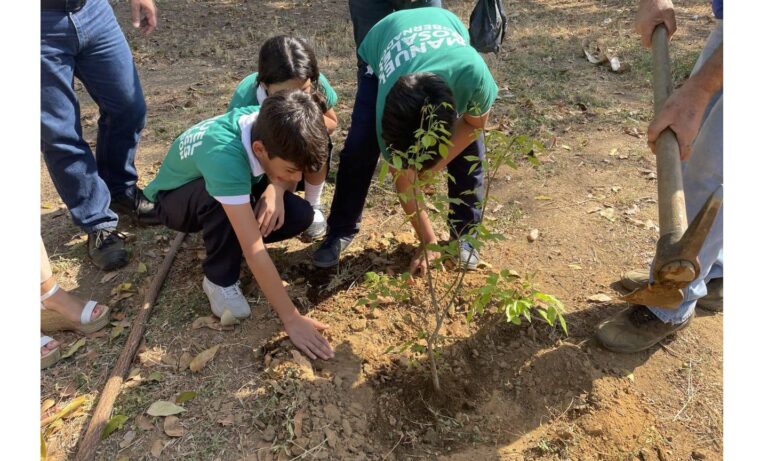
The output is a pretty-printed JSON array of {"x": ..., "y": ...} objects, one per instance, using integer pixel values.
[{"x": 101, "y": 414}]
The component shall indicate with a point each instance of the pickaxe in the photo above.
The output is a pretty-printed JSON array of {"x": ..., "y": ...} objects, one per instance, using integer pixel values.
[{"x": 676, "y": 263}]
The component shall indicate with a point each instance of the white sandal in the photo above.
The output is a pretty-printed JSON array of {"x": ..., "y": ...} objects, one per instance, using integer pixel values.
[
  {"x": 51, "y": 321},
  {"x": 52, "y": 356}
]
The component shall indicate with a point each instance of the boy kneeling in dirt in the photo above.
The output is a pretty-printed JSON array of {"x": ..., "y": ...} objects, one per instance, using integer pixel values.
[
  {"x": 226, "y": 176},
  {"x": 421, "y": 57}
]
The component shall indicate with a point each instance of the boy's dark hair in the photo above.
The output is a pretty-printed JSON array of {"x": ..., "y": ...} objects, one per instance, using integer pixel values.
[
  {"x": 291, "y": 127},
  {"x": 283, "y": 57},
  {"x": 403, "y": 111}
]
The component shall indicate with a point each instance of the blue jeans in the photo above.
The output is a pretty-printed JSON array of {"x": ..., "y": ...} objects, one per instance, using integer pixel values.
[
  {"x": 358, "y": 158},
  {"x": 702, "y": 174},
  {"x": 357, "y": 165},
  {"x": 366, "y": 13},
  {"x": 89, "y": 45}
]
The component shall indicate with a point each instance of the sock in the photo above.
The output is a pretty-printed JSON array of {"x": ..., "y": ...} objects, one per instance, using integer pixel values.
[{"x": 312, "y": 193}]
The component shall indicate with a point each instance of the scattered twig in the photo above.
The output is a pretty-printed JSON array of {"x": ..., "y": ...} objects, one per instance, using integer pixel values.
[
  {"x": 396, "y": 445},
  {"x": 670, "y": 351},
  {"x": 690, "y": 391},
  {"x": 307, "y": 452}
]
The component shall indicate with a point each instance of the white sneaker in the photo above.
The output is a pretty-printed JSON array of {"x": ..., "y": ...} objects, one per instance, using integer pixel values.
[
  {"x": 226, "y": 298},
  {"x": 317, "y": 229}
]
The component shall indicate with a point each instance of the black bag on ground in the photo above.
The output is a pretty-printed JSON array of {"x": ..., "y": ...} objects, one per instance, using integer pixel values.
[{"x": 487, "y": 26}]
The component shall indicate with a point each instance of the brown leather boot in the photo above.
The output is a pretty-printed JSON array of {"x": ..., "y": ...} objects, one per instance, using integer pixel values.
[{"x": 635, "y": 329}]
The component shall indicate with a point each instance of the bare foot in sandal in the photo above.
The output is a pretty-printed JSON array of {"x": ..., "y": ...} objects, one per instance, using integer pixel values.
[
  {"x": 67, "y": 304},
  {"x": 49, "y": 352},
  {"x": 49, "y": 347}
]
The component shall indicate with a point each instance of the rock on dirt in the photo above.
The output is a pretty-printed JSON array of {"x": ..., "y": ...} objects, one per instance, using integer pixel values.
[
  {"x": 268, "y": 434},
  {"x": 332, "y": 412},
  {"x": 533, "y": 235},
  {"x": 358, "y": 325},
  {"x": 592, "y": 427},
  {"x": 331, "y": 437}
]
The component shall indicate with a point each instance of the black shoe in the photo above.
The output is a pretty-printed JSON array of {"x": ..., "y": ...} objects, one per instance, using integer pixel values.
[
  {"x": 107, "y": 249},
  {"x": 330, "y": 250},
  {"x": 635, "y": 329},
  {"x": 134, "y": 204}
]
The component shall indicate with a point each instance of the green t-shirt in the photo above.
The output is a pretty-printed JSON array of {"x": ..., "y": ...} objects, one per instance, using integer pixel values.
[
  {"x": 246, "y": 93},
  {"x": 428, "y": 40},
  {"x": 217, "y": 150}
]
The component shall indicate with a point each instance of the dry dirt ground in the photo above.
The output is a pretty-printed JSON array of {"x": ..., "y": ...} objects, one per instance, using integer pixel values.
[{"x": 513, "y": 392}]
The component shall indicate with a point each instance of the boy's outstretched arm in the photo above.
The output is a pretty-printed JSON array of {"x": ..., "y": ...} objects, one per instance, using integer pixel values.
[
  {"x": 404, "y": 180},
  {"x": 302, "y": 330},
  {"x": 462, "y": 135}
]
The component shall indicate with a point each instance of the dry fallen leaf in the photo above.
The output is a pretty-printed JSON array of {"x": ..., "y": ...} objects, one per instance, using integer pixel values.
[
  {"x": 141, "y": 268},
  {"x": 143, "y": 423},
  {"x": 116, "y": 331},
  {"x": 608, "y": 213},
  {"x": 632, "y": 210},
  {"x": 484, "y": 265},
  {"x": 203, "y": 358},
  {"x": 47, "y": 403},
  {"x": 68, "y": 409},
  {"x": 228, "y": 319},
  {"x": 594, "y": 52},
  {"x": 119, "y": 297},
  {"x": 164, "y": 408},
  {"x": 109, "y": 276},
  {"x": 172, "y": 427},
  {"x": 74, "y": 348},
  {"x": 617, "y": 65},
  {"x": 157, "y": 448},
  {"x": 127, "y": 439},
  {"x": 184, "y": 361},
  {"x": 228, "y": 418},
  {"x": 209, "y": 322},
  {"x": 599, "y": 298},
  {"x": 123, "y": 287}
]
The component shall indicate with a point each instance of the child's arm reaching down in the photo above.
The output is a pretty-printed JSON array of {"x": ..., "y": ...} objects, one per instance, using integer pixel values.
[{"x": 302, "y": 330}]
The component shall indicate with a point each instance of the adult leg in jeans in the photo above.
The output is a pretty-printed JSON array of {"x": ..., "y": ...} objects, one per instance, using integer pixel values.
[
  {"x": 357, "y": 161},
  {"x": 69, "y": 158},
  {"x": 106, "y": 68},
  {"x": 90, "y": 45},
  {"x": 360, "y": 154},
  {"x": 467, "y": 187}
]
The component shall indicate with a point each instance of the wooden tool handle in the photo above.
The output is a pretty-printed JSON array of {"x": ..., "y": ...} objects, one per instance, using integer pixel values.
[{"x": 672, "y": 216}]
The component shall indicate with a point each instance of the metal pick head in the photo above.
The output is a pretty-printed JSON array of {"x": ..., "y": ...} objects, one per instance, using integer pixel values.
[{"x": 663, "y": 295}]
